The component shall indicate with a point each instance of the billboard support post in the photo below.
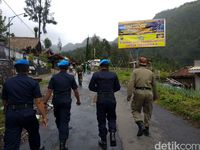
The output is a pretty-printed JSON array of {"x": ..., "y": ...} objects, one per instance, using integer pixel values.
[{"x": 137, "y": 55}]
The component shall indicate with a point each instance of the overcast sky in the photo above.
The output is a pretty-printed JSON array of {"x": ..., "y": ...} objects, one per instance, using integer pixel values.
[{"x": 78, "y": 19}]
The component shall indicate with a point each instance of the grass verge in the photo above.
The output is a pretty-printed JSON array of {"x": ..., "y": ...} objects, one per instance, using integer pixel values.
[
  {"x": 123, "y": 74},
  {"x": 184, "y": 102}
]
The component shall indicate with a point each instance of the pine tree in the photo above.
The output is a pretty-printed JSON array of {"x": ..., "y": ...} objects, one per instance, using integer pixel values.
[
  {"x": 3, "y": 28},
  {"x": 47, "y": 43},
  {"x": 87, "y": 53},
  {"x": 59, "y": 45}
]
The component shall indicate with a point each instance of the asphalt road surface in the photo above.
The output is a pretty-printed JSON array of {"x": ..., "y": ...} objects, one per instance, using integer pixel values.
[{"x": 165, "y": 127}]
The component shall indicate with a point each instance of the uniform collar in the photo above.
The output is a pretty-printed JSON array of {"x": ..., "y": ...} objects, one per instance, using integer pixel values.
[
  {"x": 63, "y": 71},
  {"x": 104, "y": 69},
  {"x": 142, "y": 66},
  {"x": 22, "y": 74}
]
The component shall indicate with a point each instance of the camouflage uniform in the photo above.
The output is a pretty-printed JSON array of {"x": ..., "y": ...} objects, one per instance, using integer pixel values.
[{"x": 143, "y": 88}]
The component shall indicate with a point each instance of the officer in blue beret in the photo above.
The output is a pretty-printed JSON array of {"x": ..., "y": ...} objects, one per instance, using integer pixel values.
[
  {"x": 105, "y": 83},
  {"x": 19, "y": 94},
  {"x": 60, "y": 85}
]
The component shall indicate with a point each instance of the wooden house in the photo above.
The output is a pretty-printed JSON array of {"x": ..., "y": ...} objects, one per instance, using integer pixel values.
[
  {"x": 26, "y": 45},
  {"x": 195, "y": 70},
  {"x": 184, "y": 76}
]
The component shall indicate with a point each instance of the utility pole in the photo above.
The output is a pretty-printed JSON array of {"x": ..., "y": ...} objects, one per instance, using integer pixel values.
[
  {"x": 9, "y": 24},
  {"x": 94, "y": 53},
  {"x": 39, "y": 21},
  {"x": 87, "y": 53}
]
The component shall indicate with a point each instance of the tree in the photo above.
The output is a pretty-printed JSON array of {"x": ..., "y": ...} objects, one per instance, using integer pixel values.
[
  {"x": 39, "y": 12},
  {"x": 47, "y": 43},
  {"x": 3, "y": 28},
  {"x": 106, "y": 49},
  {"x": 87, "y": 51},
  {"x": 59, "y": 45},
  {"x": 36, "y": 31}
]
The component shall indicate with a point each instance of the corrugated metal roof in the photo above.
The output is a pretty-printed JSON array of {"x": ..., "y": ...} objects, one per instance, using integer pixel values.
[
  {"x": 182, "y": 72},
  {"x": 195, "y": 69}
]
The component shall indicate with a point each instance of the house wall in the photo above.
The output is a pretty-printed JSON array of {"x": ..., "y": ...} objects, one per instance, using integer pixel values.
[
  {"x": 2, "y": 52},
  {"x": 197, "y": 82},
  {"x": 188, "y": 82},
  {"x": 197, "y": 63},
  {"x": 197, "y": 76}
]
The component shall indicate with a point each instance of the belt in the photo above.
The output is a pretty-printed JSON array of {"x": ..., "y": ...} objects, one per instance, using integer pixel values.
[
  {"x": 143, "y": 88},
  {"x": 105, "y": 92},
  {"x": 19, "y": 106},
  {"x": 62, "y": 93}
]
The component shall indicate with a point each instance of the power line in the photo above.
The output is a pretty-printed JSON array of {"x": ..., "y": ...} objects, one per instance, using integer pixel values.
[{"x": 18, "y": 16}]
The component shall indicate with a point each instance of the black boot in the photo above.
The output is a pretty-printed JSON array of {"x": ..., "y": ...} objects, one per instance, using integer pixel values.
[
  {"x": 140, "y": 128},
  {"x": 62, "y": 146},
  {"x": 103, "y": 143},
  {"x": 112, "y": 139},
  {"x": 146, "y": 131}
]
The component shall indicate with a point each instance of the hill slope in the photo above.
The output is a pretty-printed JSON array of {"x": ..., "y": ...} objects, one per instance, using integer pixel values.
[{"x": 182, "y": 32}]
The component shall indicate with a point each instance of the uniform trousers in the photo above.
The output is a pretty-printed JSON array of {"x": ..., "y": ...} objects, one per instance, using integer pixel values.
[
  {"x": 15, "y": 121},
  {"x": 62, "y": 115},
  {"x": 106, "y": 105},
  {"x": 143, "y": 99}
]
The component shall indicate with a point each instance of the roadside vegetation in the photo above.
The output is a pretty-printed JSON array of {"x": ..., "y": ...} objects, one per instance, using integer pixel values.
[
  {"x": 181, "y": 101},
  {"x": 123, "y": 74}
]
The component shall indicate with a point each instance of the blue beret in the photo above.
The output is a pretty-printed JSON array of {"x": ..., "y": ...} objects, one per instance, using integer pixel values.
[
  {"x": 63, "y": 63},
  {"x": 22, "y": 62},
  {"x": 104, "y": 62}
]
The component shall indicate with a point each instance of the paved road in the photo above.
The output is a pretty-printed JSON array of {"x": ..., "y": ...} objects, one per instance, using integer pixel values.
[{"x": 165, "y": 127}]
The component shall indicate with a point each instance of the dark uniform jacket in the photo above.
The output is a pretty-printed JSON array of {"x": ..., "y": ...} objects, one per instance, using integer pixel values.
[
  {"x": 104, "y": 82},
  {"x": 61, "y": 84},
  {"x": 20, "y": 89}
]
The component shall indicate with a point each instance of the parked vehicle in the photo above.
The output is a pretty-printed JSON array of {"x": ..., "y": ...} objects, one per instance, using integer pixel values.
[{"x": 32, "y": 70}]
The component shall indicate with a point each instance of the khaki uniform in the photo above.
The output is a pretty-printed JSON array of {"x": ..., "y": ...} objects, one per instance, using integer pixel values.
[{"x": 143, "y": 88}]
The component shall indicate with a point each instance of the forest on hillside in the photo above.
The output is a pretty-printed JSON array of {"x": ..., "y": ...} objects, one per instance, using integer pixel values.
[
  {"x": 182, "y": 35},
  {"x": 182, "y": 42}
]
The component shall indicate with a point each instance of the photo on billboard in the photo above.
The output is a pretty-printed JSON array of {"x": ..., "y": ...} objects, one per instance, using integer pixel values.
[{"x": 141, "y": 34}]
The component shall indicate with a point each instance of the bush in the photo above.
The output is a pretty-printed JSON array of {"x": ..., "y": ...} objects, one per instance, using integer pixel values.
[{"x": 123, "y": 74}]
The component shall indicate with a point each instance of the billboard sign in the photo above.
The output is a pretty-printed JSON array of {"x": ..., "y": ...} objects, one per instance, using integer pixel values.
[{"x": 139, "y": 34}]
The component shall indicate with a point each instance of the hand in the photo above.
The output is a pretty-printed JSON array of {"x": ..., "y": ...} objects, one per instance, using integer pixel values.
[
  {"x": 4, "y": 110},
  {"x": 78, "y": 103},
  {"x": 44, "y": 121},
  {"x": 46, "y": 106},
  {"x": 155, "y": 97}
]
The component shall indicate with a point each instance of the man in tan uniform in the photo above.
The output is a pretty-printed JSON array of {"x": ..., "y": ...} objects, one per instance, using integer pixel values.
[{"x": 143, "y": 88}]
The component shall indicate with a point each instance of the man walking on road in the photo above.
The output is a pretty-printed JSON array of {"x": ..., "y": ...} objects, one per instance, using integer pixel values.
[
  {"x": 18, "y": 96},
  {"x": 60, "y": 85},
  {"x": 143, "y": 88},
  {"x": 79, "y": 71},
  {"x": 105, "y": 83}
]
